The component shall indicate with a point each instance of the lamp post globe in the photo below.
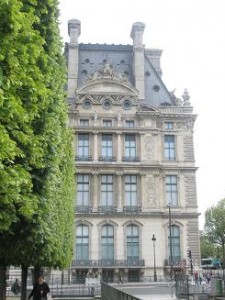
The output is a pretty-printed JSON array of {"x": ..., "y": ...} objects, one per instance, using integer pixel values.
[{"x": 154, "y": 240}]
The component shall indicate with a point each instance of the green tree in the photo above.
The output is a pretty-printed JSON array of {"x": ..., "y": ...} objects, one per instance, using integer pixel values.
[
  {"x": 36, "y": 158},
  {"x": 215, "y": 225}
]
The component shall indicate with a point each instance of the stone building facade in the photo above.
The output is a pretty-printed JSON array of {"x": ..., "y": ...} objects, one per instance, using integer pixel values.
[{"x": 133, "y": 142}]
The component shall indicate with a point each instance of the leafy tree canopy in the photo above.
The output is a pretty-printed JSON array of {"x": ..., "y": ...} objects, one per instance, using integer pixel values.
[{"x": 36, "y": 159}]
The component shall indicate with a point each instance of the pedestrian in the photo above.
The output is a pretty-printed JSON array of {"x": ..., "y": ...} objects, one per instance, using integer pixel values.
[
  {"x": 40, "y": 290},
  {"x": 196, "y": 277},
  {"x": 15, "y": 287},
  {"x": 200, "y": 278},
  {"x": 120, "y": 279},
  {"x": 208, "y": 277}
]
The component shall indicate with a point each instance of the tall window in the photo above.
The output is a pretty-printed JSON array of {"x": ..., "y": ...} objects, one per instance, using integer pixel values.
[
  {"x": 131, "y": 190},
  {"x": 107, "y": 145},
  {"x": 82, "y": 242},
  {"x": 107, "y": 242},
  {"x": 132, "y": 235},
  {"x": 130, "y": 146},
  {"x": 175, "y": 241},
  {"x": 171, "y": 190},
  {"x": 83, "y": 144},
  {"x": 107, "y": 190},
  {"x": 169, "y": 147},
  {"x": 83, "y": 190}
]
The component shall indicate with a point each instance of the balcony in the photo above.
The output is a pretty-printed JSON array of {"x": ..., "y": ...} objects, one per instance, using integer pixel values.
[
  {"x": 82, "y": 209},
  {"x": 177, "y": 262},
  {"x": 108, "y": 263},
  {"x": 131, "y": 209},
  {"x": 131, "y": 158},
  {"x": 83, "y": 157},
  {"x": 107, "y": 158},
  {"x": 107, "y": 209}
]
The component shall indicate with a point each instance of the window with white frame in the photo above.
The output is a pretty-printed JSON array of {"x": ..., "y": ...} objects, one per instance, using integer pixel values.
[
  {"x": 83, "y": 144},
  {"x": 129, "y": 123},
  {"x": 107, "y": 145},
  {"x": 169, "y": 147},
  {"x": 84, "y": 122},
  {"x": 175, "y": 241},
  {"x": 107, "y": 242},
  {"x": 132, "y": 236},
  {"x": 107, "y": 190},
  {"x": 131, "y": 190},
  {"x": 171, "y": 190},
  {"x": 130, "y": 145},
  {"x": 168, "y": 125},
  {"x": 82, "y": 242},
  {"x": 107, "y": 123},
  {"x": 83, "y": 190}
]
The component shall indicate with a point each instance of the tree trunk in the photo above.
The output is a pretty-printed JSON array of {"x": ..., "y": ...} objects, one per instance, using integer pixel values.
[
  {"x": 2, "y": 283},
  {"x": 24, "y": 283}
]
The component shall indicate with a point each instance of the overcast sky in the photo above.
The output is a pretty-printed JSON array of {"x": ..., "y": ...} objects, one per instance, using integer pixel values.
[{"x": 192, "y": 36}]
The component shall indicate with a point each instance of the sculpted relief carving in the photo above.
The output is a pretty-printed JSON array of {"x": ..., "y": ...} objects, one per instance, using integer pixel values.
[
  {"x": 149, "y": 146},
  {"x": 150, "y": 191}
]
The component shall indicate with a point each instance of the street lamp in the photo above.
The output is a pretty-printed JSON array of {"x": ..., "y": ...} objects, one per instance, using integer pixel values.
[
  {"x": 154, "y": 239},
  {"x": 171, "y": 250}
]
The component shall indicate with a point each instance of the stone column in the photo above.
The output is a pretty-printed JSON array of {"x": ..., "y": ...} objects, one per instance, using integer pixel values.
[
  {"x": 95, "y": 195},
  {"x": 137, "y": 36},
  {"x": 74, "y": 32},
  {"x": 119, "y": 147},
  {"x": 95, "y": 147},
  {"x": 119, "y": 192}
]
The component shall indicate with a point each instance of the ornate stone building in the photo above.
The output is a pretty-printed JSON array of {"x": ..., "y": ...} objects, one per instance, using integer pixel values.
[{"x": 134, "y": 149}]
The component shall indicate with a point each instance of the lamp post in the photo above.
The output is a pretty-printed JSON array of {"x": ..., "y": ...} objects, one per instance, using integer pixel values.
[
  {"x": 171, "y": 251},
  {"x": 154, "y": 239}
]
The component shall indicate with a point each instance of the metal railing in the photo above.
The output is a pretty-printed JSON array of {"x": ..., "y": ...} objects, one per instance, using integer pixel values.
[
  {"x": 107, "y": 158},
  {"x": 131, "y": 158},
  {"x": 108, "y": 263},
  {"x": 106, "y": 209},
  {"x": 83, "y": 209},
  {"x": 83, "y": 157},
  {"x": 131, "y": 209},
  {"x": 109, "y": 292}
]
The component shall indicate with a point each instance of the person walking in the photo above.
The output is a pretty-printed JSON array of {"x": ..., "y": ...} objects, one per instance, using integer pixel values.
[
  {"x": 15, "y": 287},
  {"x": 40, "y": 290}
]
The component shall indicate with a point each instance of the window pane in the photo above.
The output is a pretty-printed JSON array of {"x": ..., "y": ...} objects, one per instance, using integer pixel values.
[
  {"x": 175, "y": 240},
  {"x": 107, "y": 190},
  {"x": 107, "y": 123},
  {"x": 132, "y": 233},
  {"x": 169, "y": 147},
  {"x": 82, "y": 190},
  {"x": 129, "y": 123},
  {"x": 83, "y": 144},
  {"x": 130, "y": 145},
  {"x": 131, "y": 190},
  {"x": 107, "y": 242},
  {"x": 171, "y": 190},
  {"x": 107, "y": 145},
  {"x": 82, "y": 242}
]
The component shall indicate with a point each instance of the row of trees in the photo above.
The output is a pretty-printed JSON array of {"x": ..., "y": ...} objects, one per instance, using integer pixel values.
[
  {"x": 36, "y": 158},
  {"x": 213, "y": 238}
]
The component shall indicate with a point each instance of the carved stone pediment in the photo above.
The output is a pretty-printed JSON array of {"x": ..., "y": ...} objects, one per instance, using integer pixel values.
[
  {"x": 109, "y": 82},
  {"x": 145, "y": 107},
  {"x": 107, "y": 86}
]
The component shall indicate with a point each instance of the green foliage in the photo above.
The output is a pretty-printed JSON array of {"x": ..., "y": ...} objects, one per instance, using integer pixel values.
[
  {"x": 208, "y": 249},
  {"x": 215, "y": 223},
  {"x": 36, "y": 158}
]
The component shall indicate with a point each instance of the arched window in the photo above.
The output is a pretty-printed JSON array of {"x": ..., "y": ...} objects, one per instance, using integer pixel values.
[
  {"x": 107, "y": 242},
  {"x": 132, "y": 235},
  {"x": 175, "y": 241},
  {"x": 82, "y": 242}
]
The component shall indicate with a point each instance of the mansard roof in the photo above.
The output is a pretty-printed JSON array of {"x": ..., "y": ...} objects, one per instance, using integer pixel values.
[{"x": 94, "y": 57}]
